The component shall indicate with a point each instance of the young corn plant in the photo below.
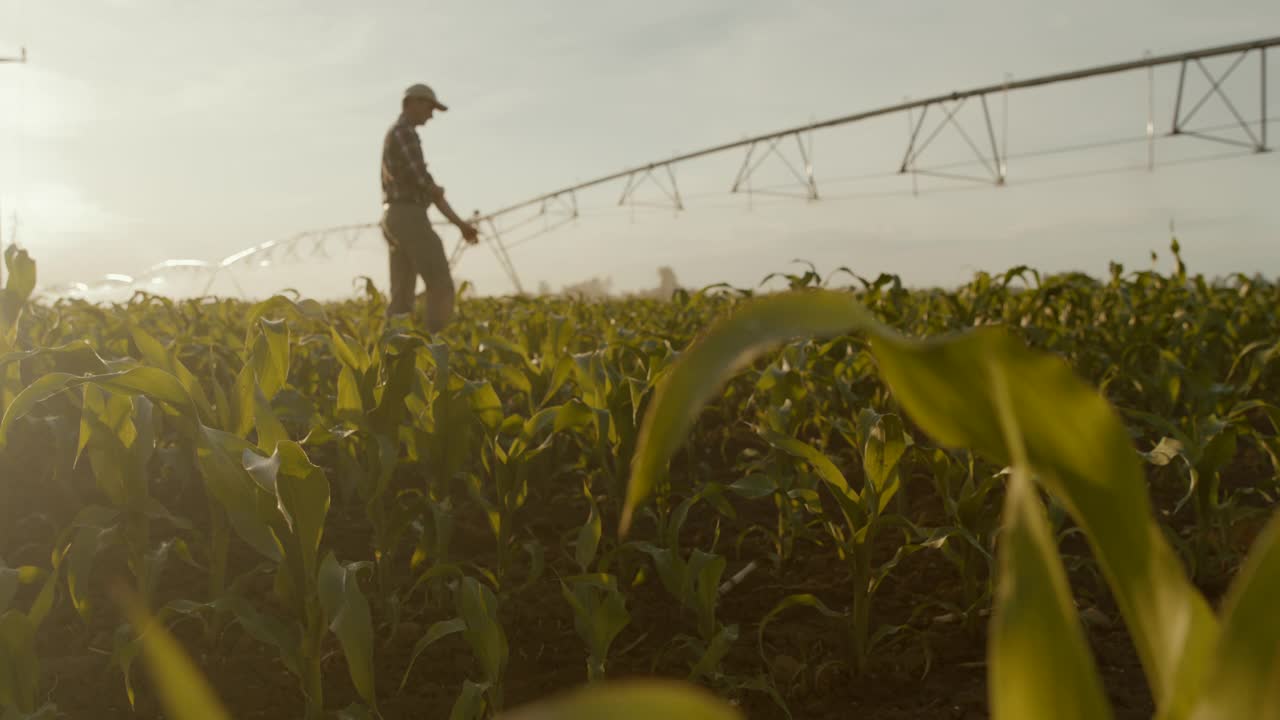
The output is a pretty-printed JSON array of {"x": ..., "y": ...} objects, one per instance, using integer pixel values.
[
  {"x": 537, "y": 365},
  {"x": 1199, "y": 457},
  {"x": 509, "y": 457},
  {"x": 186, "y": 695},
  {"x": 371, "y": 411},
  {"x": 121, "y": 407},
  {"x": 968, "y": 499},
  {"x": 450, "y": 417},
  {"x": 477, "y": 621},
  {"x": 19, "y": 661},
  {"x": 118, "y": 437},
  {"x": 864, "y": 513},
  {"x": 983, "y": 389},
  {"x": 20, "y": 282},
  {"x": 694, "y": 582},
  {"x": 320, "y": 594},
  {"x": 599, "y": 607},
  {"x": 794, "y": 495},
  {"x": 20, "y": 669},
  {"x": 613, "y": 397},
  {"x": 599, "y": 614},
  {"x": 244, "y": 412}
]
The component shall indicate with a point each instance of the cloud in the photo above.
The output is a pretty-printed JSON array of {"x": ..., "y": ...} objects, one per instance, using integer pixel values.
[
  {"x": 279, "y": 70},
  {"x": 52, "y": 210},
  {"x": 43, "y": 104}
]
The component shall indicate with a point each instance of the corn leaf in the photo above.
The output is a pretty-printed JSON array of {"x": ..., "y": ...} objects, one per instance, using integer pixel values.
[
  {"x": 885, "y": 446},
  {"x": 184, "y": 693},
  {"x": 728, "y": 346},
  {"x": 220, "y": 457},
  {"x": 349, "y": 618},
  {"x": 166, "y": 359},
  {"x": 470, "y": 704},
  {"x": 1075, "y": 444},
  {"x": 20, "y": 282},
  {"x": 156, "y": 384},
  {"x": 584, "y": 551},
  {"x": 478, "y": 608},
  {"x": 1242, "y": 681},
  {"x": 437, "y": 631},
  {"x": 271, "y": 431},
  {"x": 19, "y": 664},
  {"x": 269, "y": 356},
  {"x": 1039, "y": 664},
  {"x": 1078, "y": 448},
  {"x": 303, "y": 493}
]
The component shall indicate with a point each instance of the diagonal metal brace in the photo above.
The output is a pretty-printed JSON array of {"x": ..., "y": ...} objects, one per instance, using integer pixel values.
[
  {"x": 1257, "y": 142},
  {"x": 494, "y": 240},
  {"x": 993, "y": 163},
  {"x": 805, "y": 177},
  {"x": 636, "y": 179}
]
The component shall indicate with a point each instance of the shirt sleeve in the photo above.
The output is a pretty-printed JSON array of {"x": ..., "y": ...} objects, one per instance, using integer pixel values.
[{"x": 411, "y": 151}]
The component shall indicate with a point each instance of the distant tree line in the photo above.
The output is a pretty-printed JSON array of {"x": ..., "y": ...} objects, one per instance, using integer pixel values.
[{"x": 601, "y": 288}]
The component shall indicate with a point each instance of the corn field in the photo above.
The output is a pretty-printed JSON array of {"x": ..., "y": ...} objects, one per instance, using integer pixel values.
[{"x": 1032, "y": 496}]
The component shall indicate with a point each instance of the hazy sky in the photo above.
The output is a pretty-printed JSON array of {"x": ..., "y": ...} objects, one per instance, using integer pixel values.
[{"x": 144, "y": 130}]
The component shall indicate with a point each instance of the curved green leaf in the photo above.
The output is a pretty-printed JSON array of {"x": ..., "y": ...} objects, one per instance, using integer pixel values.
[
  {"x": 584, "y": 551},
  {"x": 17, "y": 290},
  {"x": 349, "y": 618},
  {"x": 885, "y": 446},
  {"x": 437, "y": 631},
  {"x": 184, "y": 693},
  {"x": 728, "y": 346},
  {"x": 166, "y": 359},
  {"x": 478, "y": 607},
  {"x": 220, "y": 457},
  {"x": 1039, "y": 664},
  {"x": 350, "y": 406},
  {"x": 1241, "y": 682},
  {"x": 799, "y": 600},
  {"x": 1080, "y": 451},
  {"x": 1075, "y": 443},
  {"x": 303, "y": 493},
  {"x": 470, "y": 704},
  {"x": 155, "y": 384},
  {"x": 271, "y": 431},
  {"x": 269, "y": 356},
  {"x": 19, "y": 664},
  {"x": 342, "y": 349},
  {"x": 820, "y": 463}
]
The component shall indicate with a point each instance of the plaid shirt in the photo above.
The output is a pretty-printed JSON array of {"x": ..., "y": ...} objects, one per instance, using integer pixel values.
[{"x": 404, "y": 172}]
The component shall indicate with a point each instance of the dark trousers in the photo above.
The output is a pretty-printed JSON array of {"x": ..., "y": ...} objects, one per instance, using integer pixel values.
[{"x": 416, "y": 250}]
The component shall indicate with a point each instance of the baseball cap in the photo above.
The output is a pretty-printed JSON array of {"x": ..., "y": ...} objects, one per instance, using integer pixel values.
[{"x": 423, "y": 92}]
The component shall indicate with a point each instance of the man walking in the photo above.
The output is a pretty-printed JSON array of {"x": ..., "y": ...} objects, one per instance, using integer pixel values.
[{"x": 407, "y": 191}]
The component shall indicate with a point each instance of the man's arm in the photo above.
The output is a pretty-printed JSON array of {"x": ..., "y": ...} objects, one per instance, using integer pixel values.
[
  {"x": 469, "y": 231},
  {"x": 430, "y": 190}
]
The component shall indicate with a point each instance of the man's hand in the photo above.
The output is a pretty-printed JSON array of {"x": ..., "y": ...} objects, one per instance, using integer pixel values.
[{"x": 469, "y": 231}]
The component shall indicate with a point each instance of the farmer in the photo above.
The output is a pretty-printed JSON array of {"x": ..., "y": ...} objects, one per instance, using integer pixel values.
[{"x": 407, "y": 190}]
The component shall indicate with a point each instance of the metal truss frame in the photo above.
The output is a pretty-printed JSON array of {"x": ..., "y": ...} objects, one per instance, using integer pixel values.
[
  {"x": 805, "y": 178},
  {"x": 1257, "y": 142},
  {"x": 637, "y": 177}
]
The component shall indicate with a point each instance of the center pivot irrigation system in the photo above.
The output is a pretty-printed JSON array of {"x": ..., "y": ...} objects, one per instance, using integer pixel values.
[{"x": 926, "y": 118}]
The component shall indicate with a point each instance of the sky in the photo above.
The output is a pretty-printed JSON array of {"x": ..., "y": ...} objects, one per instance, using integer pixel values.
[{"x": 146, "y": 130}]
